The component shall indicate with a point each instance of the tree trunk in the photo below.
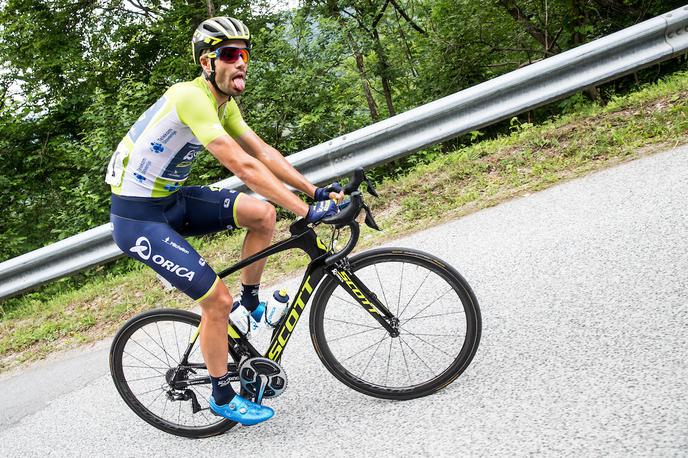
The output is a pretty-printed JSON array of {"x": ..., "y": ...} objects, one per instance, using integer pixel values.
[
  {"x": 384, "y": 72},
  {"x": 407, "y": 48},
  {"x": 580, "y": 20},
  {"x": 211, "y": 8},
  {"x": 360, "y": 66},
  {"x": 540, "y": 36}
]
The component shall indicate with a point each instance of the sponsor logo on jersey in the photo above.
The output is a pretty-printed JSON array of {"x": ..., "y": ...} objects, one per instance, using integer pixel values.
[
  {"x": 144, "y": 166},
  {"x": 172, "y": 244},
  {"x": 190, "y": 156},
  {"x": 140, "y": 178},
  {"x": 167, "y": 136},
  {"x": 227, "y": 202},
  {"x": 143, "y": 249},
  {"x": 201, "y": 261},
  {"x": 171, "y": 187},
  {"x": 157, "y": 147}
]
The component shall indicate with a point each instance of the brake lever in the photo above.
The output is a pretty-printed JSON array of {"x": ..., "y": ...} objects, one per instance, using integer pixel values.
[
  {"x": 369, "y": 220},
  {"x": 371, "y": 189}
]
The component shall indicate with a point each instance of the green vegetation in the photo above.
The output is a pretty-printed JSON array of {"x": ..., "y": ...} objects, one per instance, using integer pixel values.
[
  {"x": 75, "y": 75},
  {"x": 441, "y": 186}
]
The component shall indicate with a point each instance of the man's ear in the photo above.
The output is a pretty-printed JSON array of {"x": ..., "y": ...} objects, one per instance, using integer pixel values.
[{"x": 205, "y": 64}]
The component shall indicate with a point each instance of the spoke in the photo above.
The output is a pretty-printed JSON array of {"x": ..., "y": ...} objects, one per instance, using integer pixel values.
[
  {"x": 146, "y": 367},
  {"x": 149, "y": 391},
  {"x": 414, "y": 294},
  {"x": 179, "y": 415},
  {"x": 401, "y": 285},
  {"x": 142, "y": 362},
  {"x": 193, "y": 352},
  {"x": 371, "y": 357},
  {"x": 423, "y": 340},
  {"x": 429, "y": 304},
  {"x": 366, "y": 348},
  {"x": 143, "y": 378},
  {"x": 155, "y": 399},
  {"x": 389, "y": 356},
  {"x": 355, "y": 324},
  {"x": 384, "y": 296},
  {"x": 148, "y": 351},
  {"x": 355, "y": 304},
  {"x": 433, "y": 335},
  {"x": 167, "y": 355},
  {"x": 354, "y": 334},
  {"x": 431, "y": 316},
  {"x": 176, "y": 340},
  {"x": 408, "y": 371},
  {"x": 164, "y": 408},
  {"x": 417, "y": 355},
  {"x": 162, "y": 344}
]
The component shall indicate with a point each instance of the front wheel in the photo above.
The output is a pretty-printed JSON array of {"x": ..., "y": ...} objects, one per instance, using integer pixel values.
[{"x": 435, "y": 311}]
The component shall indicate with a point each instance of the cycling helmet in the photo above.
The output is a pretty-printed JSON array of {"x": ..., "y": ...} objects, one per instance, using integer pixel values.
[{"x": 214, "y": 31}]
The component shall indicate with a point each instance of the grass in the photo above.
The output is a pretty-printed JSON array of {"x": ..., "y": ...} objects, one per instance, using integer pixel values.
[{"x": 455, "y": 184}]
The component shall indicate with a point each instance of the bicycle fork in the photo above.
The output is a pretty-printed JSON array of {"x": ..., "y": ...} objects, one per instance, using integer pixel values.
[{"x": 367, "y": 299}]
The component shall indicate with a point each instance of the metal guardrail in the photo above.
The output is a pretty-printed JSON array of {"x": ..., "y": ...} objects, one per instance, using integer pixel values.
[{"x": 594, "y": 63}]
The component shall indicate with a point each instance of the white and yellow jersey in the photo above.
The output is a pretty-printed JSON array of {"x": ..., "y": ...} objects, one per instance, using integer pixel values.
[{"x": 155, "y": 157}]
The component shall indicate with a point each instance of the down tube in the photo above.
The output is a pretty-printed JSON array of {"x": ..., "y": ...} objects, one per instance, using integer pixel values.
[{"x": 311, "y": 279}]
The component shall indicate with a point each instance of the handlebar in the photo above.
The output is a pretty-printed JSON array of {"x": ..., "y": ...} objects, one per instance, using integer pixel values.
[{"x": 351, "y": 209}]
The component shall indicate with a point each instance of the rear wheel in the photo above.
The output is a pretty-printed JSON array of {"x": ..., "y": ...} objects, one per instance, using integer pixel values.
[
  {"x": 146, "y": 367},
  {"x": 438, "y": 317}
]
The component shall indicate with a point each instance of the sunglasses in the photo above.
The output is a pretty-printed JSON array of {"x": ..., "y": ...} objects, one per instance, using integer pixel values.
[{"x": 230, "y": 54}]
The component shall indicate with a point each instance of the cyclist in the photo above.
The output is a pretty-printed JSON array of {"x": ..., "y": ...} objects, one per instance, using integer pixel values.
[{"x": 152, "y": 211}]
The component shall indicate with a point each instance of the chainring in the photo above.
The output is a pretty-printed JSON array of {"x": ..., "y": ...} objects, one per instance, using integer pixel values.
[{"x": 250, "y": 373}]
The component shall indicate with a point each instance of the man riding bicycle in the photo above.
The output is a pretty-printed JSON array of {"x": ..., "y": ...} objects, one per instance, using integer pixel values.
[{"x": 152, "y": 211}]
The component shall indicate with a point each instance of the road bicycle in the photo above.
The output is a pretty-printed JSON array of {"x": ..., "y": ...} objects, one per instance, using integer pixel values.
[{"x": 392, "y": 323}]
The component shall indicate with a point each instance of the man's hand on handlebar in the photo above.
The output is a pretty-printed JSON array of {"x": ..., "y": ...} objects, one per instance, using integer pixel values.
[
  {"x": 331, "y": 191},
  {"x": 322, "y": 209}
]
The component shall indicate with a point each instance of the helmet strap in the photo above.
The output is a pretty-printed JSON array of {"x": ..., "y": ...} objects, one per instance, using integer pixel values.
[{"x": 211, "y": 77}]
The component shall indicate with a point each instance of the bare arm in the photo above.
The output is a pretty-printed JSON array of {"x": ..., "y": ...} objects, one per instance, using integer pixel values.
[
  {"x": 273, "y": 160},
  {"x": 255, "y": 174}
]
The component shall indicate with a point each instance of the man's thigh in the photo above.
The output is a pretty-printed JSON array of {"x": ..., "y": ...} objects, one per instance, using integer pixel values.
[
  {"x": 165, "y": 251},
  {"x": 206, "y": 209}
]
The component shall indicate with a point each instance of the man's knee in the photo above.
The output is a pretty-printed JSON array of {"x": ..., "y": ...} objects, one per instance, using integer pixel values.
[
  {"x": 264, "y": 217},
  {"x": 218, "y": 305}
]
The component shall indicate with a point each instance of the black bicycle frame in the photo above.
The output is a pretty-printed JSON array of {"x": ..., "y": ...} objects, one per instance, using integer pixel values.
[{"x": 304, "y": 238}]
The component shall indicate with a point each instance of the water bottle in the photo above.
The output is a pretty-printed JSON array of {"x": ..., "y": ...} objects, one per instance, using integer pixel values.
[
  {"x": 240, "y": 319},
  {"x": 276, "y": 309}
]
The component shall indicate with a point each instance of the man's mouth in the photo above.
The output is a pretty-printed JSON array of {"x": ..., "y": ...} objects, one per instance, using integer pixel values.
[{"x": 239, "y": 82}]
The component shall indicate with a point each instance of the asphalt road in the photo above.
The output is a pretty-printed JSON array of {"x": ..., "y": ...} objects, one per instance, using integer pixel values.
[{"x": 584, "y": 295}]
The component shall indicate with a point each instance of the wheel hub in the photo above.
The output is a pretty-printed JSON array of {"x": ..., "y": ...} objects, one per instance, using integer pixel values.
[{"x": 394, "y": 322}]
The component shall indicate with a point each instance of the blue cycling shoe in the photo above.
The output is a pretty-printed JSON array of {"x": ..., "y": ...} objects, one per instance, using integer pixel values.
[{"x": 242, "y": 411}]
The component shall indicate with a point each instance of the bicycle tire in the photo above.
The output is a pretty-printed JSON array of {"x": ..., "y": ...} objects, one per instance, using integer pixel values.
[
  {"x": 330, "y": 294},
  {"x": 123, "y": 348}
]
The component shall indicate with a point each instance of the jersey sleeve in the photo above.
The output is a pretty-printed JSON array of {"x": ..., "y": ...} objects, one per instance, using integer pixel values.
[
  {"x": 196, "y": 111},
  {"x": 232, "y": 120}
]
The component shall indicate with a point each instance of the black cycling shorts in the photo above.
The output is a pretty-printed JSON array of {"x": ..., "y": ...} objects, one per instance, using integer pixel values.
[{"x": 152, "y": 230}]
